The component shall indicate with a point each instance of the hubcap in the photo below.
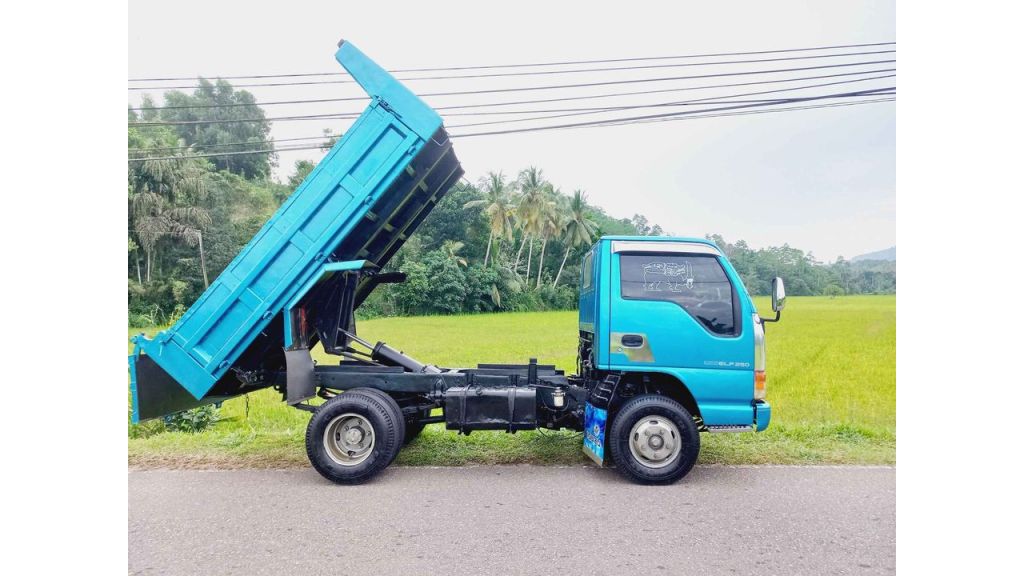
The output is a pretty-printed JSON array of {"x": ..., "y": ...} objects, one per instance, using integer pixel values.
[
  {"x": 349, "y": 439},
  {"x": 655, "y": 442}
]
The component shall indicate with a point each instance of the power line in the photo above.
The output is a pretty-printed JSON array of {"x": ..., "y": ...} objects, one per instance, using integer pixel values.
[
  {"x": 610, "y": 122},
  {"x": 582, "y": 85},
  {"x": 215, "y": 154},
  {"x": 572, "y": 111},
  {"x": 327, "y": 138},
  {"x": 518, "y": 102},
  {"x": 536, "y": 64},
  {"x": 587, "y": 125},
  {"x": 228, "y": 144},
  {"x": 688, "y": 112},
  {"x": 541, "y": 72},
  {"x": 719, "y": 99},
  {"x": 749, "y": 112},
  {"x": 333, "y": 116},
  {"x": 662, "y": 79},
  {"x": 605, "y": 123}
]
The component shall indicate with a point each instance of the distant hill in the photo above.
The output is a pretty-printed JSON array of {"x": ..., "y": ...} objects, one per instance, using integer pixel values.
[{"x": 887, "y": 254}]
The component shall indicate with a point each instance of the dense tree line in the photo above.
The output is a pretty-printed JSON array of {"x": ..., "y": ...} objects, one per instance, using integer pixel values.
[
  {"x": 508, "y": 242},
  {"x": 804, "y": 275}
]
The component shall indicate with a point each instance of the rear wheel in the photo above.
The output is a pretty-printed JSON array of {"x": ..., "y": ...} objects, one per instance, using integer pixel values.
[
  {"x": 392, "y": 405},
  {"x": 353, "y": 437},
  {"x": 653, "y": 440}
]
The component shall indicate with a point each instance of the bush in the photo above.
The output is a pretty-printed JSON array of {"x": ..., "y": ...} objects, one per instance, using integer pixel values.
[
  {"x": 483, "y": 293},
  {"x": 558, "y": 297},
  {"x": 833, "y": 290},
  {"x": 144, "y": 429},
  {"x": 176, "y": 314},
  {"x": 523, "y": 301},
  {"x": 145, "y": 317},
  {"x": 194, "y": 420}
]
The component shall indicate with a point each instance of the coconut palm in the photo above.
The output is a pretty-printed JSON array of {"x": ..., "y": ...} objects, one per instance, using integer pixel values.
[
  {"x": 451, "y": 249},
  {"x": 534, "y": 195},
  {"x": 579, "y": 230},
  {"x": 552, "y": 222},
  {"x": 498, "y": 208}
]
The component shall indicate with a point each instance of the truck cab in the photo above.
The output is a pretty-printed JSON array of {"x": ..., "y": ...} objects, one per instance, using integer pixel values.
[{"x": 670, "y": 317}]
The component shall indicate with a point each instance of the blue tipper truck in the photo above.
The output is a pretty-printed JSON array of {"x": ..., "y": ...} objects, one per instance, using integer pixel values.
[{"x": 670, "y": 344}]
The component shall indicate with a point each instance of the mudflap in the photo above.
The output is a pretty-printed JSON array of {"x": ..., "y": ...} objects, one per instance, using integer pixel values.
[
  {"x": 155, "y": 393},
  {"x": 595, "y": 423},
  {"x": 301, "y": 384}
]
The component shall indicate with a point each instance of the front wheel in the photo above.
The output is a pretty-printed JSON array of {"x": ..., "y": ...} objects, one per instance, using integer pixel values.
[
  {"x": 353, "y": 437},
  {"x": 654, "y": 440}
]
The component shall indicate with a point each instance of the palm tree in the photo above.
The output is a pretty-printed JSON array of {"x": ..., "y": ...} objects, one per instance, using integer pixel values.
[
  {"x": 551, "y": 224},
  {"x": 578, "y": 228},
  {"x": 498, "y": 207},
  {"x": 156, "y": 219},
  {"x": 133, "y": 248},
  {"x": 451, "y": 249},
  {"x": 531, "y": 205},
  {"x": 187, "y": 224},
  {"x": 146, "y": 208},
  {"x": 164, "y": 204}
]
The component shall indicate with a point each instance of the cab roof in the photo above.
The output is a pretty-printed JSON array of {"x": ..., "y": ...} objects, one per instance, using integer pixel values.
[{"x": 690, "y": 239}]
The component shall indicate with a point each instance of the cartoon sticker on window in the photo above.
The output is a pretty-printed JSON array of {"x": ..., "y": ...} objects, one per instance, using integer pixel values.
[{"x": 668, "y": 276}]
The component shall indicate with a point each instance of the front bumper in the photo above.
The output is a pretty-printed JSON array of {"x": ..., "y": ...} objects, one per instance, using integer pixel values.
[{"x": 762, "y": 414}]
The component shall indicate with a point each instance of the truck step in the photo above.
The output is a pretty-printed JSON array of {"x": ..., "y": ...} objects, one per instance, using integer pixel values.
[{"x": 730, "y": 428}]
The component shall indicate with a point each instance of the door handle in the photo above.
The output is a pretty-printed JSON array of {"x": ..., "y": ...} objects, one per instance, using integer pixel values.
[{"x": 632, "y": 340}]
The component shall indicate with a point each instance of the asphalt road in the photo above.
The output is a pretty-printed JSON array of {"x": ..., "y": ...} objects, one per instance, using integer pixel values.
[{"x": 514, "y": 520}]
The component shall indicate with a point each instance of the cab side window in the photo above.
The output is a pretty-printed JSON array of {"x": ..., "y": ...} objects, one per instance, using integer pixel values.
[
  {"x": 587, "y": 272},
  {"x": 696, "y": 282}
]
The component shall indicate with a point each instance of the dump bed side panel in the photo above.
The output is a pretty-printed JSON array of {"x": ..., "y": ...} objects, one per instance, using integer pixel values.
[{"x": 325, "y": 214}]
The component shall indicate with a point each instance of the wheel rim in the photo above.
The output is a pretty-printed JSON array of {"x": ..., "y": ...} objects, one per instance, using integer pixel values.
[
  {"x": 349, "y": 439},
  {"x": 655, "y": 442}
]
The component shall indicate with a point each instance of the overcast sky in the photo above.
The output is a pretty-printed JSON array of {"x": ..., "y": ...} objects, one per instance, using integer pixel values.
[{"x": 821, "y": 180}]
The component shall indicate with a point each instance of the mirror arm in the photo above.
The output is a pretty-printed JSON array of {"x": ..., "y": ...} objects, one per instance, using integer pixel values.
[{"x": 778, "y": 314}]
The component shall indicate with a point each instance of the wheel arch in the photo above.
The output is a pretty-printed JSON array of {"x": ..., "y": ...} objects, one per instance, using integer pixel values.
[{"x": 667, "y": 385}]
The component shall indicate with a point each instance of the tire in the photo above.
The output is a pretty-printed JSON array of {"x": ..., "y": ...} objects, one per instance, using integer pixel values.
[
  {"x": 353, "y": 437},
  {"x": 392, "y": 404},
  {"x": 661, "y": 460}
]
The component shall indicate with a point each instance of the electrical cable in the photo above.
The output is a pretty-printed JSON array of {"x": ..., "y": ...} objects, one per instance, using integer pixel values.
[
  {"x": 566, "y": 63},
  {"x": 541, "y": 72},
  {"x": 611, "y": 122},
  {"x": 576, "y": 112},
  {"x": 653, "y": 116},
  {"x": 584, "y": 84},
  {"x": 518, "y": 102},
  {"x": 605, "y": 123},
  {"x": 635, "y": 107}
]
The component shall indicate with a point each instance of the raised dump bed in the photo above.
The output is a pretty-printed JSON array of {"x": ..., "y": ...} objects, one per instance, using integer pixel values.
[{"x": 361, "y": 203}]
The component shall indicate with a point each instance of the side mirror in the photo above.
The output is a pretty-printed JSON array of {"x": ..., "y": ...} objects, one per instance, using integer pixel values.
[
  {"x": 778, "y": 295},
  {"x": 778, "y": 299}
]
